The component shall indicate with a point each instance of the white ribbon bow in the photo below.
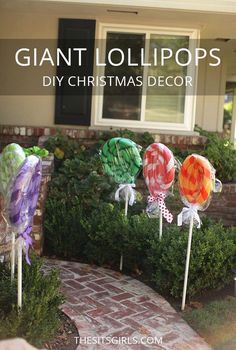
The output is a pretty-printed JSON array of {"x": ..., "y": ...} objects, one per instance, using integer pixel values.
[
  {"x": 127, "y": 189},
  {"x": 186, "y": 214},
  {"x": 217, "y": 186}
]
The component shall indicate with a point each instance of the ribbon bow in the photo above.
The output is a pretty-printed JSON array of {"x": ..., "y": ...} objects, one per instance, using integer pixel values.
[
  {"x": 127, "y": 189},
  {"x": 28, "y": 242},
  {"x": 186, "y": 214},
  {"x": 160, "y": 199}
]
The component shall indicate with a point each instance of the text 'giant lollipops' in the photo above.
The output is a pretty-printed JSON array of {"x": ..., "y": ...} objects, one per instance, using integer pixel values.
[{"x": 159, "y": 173}]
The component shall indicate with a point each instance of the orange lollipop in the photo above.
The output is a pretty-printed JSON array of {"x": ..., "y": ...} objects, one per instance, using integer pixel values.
[{"x": 196, "y": 180}]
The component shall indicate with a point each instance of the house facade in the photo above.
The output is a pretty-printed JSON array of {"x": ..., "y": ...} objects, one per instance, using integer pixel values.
[
  {"x": 149, "y": 24},
  {"x": 29, "y": 114}
]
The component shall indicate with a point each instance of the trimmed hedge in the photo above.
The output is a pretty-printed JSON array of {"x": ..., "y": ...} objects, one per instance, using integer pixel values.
[
  {"x": 38, "y": 320},
  {"x": 82, "y": 222},
  {"x": 103, "y": 234},
  {"x": 213, "y": 257}
]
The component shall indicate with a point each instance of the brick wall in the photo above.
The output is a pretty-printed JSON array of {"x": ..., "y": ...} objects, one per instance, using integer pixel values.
[
  {"x": 29, "y": 136},
  {"x": 223, "y": 205}
]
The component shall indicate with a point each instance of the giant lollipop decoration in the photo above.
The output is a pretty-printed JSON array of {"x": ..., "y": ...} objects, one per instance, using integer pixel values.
[
  {"x": 159, "y": 173},
  {"x": 11, "y": 158},
  {"x": 196, "y": 183},
  {"x": 121, "y": 160},
  {"x": 21, "y": 205}
]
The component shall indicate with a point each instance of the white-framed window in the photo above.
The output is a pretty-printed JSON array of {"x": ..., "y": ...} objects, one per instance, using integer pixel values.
[{"x": 147, "y": 107}]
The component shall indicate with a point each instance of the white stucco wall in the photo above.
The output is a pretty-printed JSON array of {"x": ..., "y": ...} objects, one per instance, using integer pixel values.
[
  {"x": 210, "y": 99},
  {"x": 43, "y": 23}
]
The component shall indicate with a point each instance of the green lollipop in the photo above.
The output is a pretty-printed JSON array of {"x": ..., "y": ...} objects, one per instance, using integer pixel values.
[
  {"x": 11, "y": 159},
  {"x": 121, "y": 159}
]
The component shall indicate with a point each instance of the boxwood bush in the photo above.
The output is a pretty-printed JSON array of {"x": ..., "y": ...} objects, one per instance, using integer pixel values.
[
  {"x": 39, "y": 318},
  {"x": 219, "y": 150},
  {"x": 64, "y": 234},
  {"x": 82, "y": 222},
  {"x": 111, "y": 234},
  {"x": 213, "y": 257}
]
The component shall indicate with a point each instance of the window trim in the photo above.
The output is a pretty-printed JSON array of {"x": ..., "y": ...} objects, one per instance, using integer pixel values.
[
  {"x": 190, "y": 99},
  {"x": 223, "y": 6}
]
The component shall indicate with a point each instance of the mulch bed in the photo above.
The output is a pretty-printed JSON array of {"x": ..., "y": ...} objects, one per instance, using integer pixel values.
[{"x": 65, "y": 338}]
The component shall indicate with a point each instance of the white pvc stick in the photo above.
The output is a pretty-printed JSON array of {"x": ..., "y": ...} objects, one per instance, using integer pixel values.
[
  {"x": 13, "y": 256},
  {"x": 126, "y": 212},
  {"x": 160, "y": 226},
  {"x": 187, "y": 262},
  {"x": 19, "y": 282},
  {"x": 121, "y": 262}
]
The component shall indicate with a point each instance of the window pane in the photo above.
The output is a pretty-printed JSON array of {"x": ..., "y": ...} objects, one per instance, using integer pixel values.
[
  {"x": 123, "y": 102},
  {"x": 166, "y": 104},
  {"x": 165, "y": 109}
]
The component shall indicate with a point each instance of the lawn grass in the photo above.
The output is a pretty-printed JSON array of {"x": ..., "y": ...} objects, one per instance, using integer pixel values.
[{"x": 216, "y": 322}]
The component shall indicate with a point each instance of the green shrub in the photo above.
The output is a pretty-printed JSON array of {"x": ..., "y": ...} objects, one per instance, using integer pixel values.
[
  {"x": 83, "y": 234},
  {"x": 84, "y": 189},
  {"x": 83, "y": 179},
  {"x": 8, "y": 290},
  {"x": 39, "y": 319},
  {"x": 111, "y": 234},
  {"x": 64, "y": 235},
  {"x": 64, "y": 147},
  {"x": 143, "y": 231},
  {"x": 212, "y": 259},
  {"x": 232, "y": 234},
  {"x": 143, "y": 139},
  {"x": 222, "y": 155},
  {"x": 108, "y": 231},
  {"x": 218, "y": 150}
]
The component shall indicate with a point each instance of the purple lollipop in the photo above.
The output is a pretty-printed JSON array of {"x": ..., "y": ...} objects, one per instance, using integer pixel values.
[{"x": 24, "y": 191}]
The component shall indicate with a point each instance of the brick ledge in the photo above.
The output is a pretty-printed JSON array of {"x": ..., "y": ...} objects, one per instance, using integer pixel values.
[{"x": 89, "y": 134}]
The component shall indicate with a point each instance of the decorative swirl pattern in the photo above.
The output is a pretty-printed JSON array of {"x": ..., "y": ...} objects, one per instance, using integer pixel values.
[
  {"x": 121, "y": 159},
  {"x": 159, "y": 173},
  {"x": 196, "y": 180}
]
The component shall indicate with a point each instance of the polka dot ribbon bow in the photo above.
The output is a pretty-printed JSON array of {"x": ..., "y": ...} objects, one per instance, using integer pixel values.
[{"x": 160, "y": 199}]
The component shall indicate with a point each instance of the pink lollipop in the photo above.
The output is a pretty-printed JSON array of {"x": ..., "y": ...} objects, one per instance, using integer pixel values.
[{"x": 159, "y": 172}]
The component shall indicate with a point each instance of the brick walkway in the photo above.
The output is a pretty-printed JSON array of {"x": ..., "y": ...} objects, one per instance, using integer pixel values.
[{"x": 105, "y": 303}]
